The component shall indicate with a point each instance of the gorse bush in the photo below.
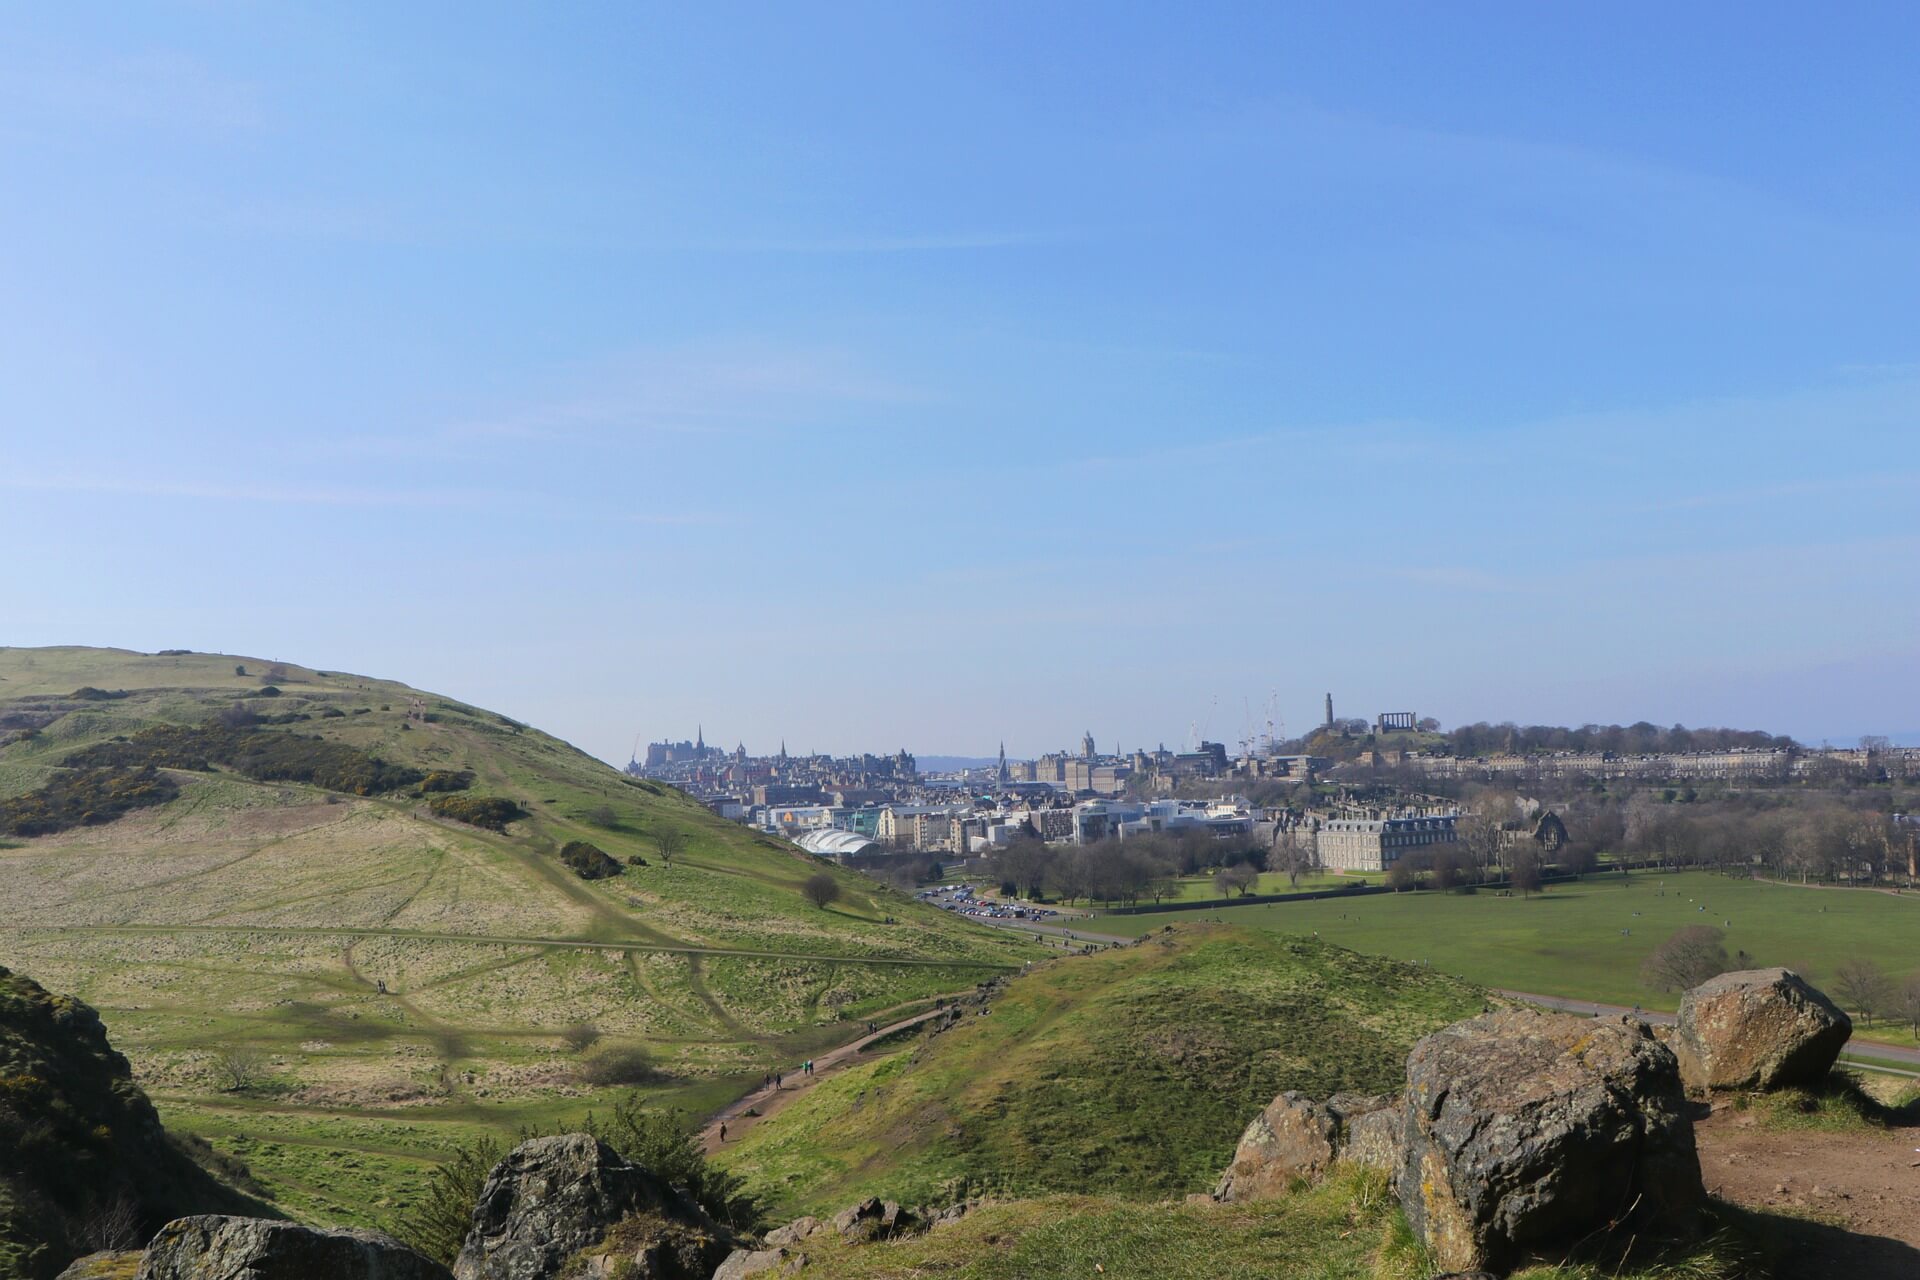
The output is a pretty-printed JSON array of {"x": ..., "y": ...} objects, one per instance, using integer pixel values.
[
  {"x": 264, "y": 757},
  {"x": 588, "y": 861},
  {"x": 83, "y": 798},
  {"x": 445, "y": 780},
  {"x": 436, "y": 1224},
  {"x": 491, "y": 812}
]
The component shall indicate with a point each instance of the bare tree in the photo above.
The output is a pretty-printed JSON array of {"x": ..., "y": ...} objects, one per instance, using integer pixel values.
[
  {"x": 1242, "y": 877},
  {"x": 1687, "y": 959},
  {"x": 1525, "y": 871},
  {"x": 1293, "y": 853},
  {"x": 1863, "y": 984},
  {"x": 1906, "y": 1002},
  {"x": 581, "y": 1036},
  {"x": 821, "y": 890},
  {"x": 110, "y": 1225},
  {"x": 241, "y": 1069},
  {"x": 668, "y": 843}
]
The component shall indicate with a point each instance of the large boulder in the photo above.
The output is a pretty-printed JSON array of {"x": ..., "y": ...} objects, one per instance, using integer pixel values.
[
  {"x": 1758, "y": 1029},
  {"x": 874, "y": 1219},
  {"x": 214, "y": 1247},
  {"x": 1297, "y": 1137},
  {"x": 553, "y": 1198},
  {"x": 1526, "y": 1132}
]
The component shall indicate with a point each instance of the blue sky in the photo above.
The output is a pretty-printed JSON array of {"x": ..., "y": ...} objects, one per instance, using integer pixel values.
[{"x": 889, "y": 374}]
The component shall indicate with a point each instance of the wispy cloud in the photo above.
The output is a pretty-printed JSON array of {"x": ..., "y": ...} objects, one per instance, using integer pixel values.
[
  {"x": 714, "y": 389},
  {"x": 523, "y": 504}
]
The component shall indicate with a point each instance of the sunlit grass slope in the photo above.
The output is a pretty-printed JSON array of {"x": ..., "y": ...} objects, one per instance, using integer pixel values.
[
  {"x": 1132, "y": 1070},
  {"x": 270, "y": 915}
]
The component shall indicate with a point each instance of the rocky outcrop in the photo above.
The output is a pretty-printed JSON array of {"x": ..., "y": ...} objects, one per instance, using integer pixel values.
[
  {"x": 554, "y": 1198},
  {"x": 111, "y": 1264},
  {"x": 744, "y": 1263},
  {"x": 1758, "y": 1029},
  {"x": 874, "y": 1219},
  {"x": 222, "y": 1248},
  {"x": 794, "y": 1232},
  {"x": 1297, "y": 1137},
  {"x": 82, "y": 1153},
  {"x": 1528, "y": 1131}
]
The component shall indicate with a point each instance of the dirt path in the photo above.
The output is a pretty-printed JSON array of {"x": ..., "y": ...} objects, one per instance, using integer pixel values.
[
  {"x": 506, "y": 940},
  {"x": 1869, "y": 1182},
  {"x": 768, "y": 1101}
]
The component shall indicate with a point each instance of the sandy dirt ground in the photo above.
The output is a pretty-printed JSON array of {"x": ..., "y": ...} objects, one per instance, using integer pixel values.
[{"x": 1866, "y": 1183}]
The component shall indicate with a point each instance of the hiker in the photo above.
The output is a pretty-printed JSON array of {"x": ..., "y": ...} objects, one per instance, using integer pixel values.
[
  {"x": 776, "y": 1079},
  {"x": 723, "y": 1131}
]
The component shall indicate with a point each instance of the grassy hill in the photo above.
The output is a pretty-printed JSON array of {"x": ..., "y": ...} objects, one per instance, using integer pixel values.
[
  {"x": 1132, "y": 1070},
  {"x": 396, "y": 978}
]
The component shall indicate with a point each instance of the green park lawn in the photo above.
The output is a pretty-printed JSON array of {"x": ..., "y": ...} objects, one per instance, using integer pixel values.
[
  {"x": 1200, "y": 888},
  {"x": 1587, "y": 939}
]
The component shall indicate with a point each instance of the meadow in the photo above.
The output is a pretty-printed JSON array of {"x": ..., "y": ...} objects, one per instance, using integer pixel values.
[{"x": 1587, "y": 939}]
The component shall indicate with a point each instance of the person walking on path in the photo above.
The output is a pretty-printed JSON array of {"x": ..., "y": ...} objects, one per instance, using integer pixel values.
[{"x": 723, "y": 1131}]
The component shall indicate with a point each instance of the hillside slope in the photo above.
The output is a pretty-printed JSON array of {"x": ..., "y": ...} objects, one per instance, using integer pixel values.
[
  {"x": 408, "y": 976},
  {"x": 86, "y": 1163},
  {"x": 1132, "y": 1070}
]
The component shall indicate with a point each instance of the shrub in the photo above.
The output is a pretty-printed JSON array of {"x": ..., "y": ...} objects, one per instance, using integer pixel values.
[
  {"x": 232, "y": 740},
  {"x": 660, "y": 1141},
  {"x": 580, "y": 1037},
  {"x": 436, "y": 1224},
  {"x": 87, "y": 693},
  {"x": 269, "y": 691},
  {"x": 444, "y": 780},
  {"x": 84, "y": 798},
  {"x": 619, "y": 1064},
  {"x": 589, "y": 861},
  {"x": 491, "y": 812}
]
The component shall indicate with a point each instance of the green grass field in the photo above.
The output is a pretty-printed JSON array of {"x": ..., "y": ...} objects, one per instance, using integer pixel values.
[
  {"x": 270, "y": 915},
  {"x": 1200, "y": 888},
  {"x": 1587, "y": 939},
  {"x": 1131, "y": 1070}
]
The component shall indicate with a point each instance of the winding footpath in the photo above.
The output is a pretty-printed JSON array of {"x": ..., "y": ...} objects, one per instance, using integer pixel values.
[{"x": 769, "y": 1099}]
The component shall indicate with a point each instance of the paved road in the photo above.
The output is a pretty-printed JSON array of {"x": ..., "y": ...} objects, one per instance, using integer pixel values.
[
  {"x": 1855, "y": 1047},
  {"x": 771, "y": 1098}
]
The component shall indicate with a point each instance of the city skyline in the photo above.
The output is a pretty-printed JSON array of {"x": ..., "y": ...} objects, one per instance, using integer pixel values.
[{"x": 933, "y": 375}]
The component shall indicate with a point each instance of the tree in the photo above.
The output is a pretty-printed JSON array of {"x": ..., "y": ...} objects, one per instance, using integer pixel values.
[
  {"x": 821, "y": 890},
  {"x": 241, "y": 1069},
  {"x": 1446, "y": 870},
  {"x": 1242, "y": 878},
  {"x": 1526, "y": 868},
  {"x": 1863, "y": 984},
  {"x": 1403, "y": 874},
  {"x": 668, "y": 843},
  {"x": 1687, "y": 959},
  {"x": 1906, "y": 1002},
  {"x": 1293, "y": 853}
]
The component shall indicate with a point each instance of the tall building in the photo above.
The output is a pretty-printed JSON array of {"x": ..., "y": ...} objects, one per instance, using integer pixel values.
[
  {"x": 1329, "y": 711},
  {"x": 1086, "y": 745}
]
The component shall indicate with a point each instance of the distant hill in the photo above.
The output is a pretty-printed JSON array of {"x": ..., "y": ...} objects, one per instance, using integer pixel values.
[
  {"x": 364, "y": 883},
  {"x": 85, "y": 1162},
  {"x": 1131, "y": 1071}
]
